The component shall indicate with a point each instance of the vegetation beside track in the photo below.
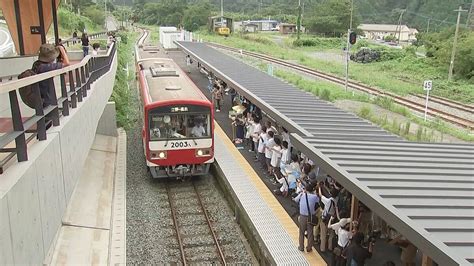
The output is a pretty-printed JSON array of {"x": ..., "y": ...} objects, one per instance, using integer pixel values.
[{"x": 122, "y": 94}]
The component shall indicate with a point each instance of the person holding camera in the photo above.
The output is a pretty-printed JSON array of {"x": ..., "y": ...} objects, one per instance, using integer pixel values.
[
  {"x": 330, "y": 210},
  {"x": 342, "y": 229},
  {"x": 356, "y": 254},
  {"x": 307, "y": 203}
]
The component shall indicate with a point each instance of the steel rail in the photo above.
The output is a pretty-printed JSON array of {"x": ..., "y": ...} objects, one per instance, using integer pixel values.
[
  {"x": 175, "y": 222},
  {"x": 218, "y": 246},
  {"x": 452, "y": 104},
  {"x": 465, "y": 123}
]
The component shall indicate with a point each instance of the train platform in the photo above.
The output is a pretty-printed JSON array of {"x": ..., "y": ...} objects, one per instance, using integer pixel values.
[
  {"x": 93, "y": 227},
  {"x": 383, "y": 251},
  {"x": 275, "y": 228}
]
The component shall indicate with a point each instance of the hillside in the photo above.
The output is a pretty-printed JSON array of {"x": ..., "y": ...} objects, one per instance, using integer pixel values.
[{"x": 417, "y": 12}]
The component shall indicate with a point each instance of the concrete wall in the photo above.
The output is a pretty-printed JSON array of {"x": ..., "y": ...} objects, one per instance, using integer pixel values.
[
  {"x": 34, "y": 194},
  {"x": 108, "y": 121}
]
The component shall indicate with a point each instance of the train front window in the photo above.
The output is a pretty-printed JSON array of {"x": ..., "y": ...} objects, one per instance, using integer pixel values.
[{"x": 180, "y": 126}]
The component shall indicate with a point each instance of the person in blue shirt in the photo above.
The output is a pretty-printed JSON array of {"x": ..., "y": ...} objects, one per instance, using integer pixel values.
[{"x": 308, "y": 203}]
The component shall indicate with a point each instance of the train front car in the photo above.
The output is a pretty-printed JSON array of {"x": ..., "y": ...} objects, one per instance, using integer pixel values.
[{"x": 178, "y": 121}]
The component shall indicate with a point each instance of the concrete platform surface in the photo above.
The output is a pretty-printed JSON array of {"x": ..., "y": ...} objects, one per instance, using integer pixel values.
[
  {"x": 81, "y": 246},
  {"x": 91, "y": 201},
  {"x": 89, "y": 226}
]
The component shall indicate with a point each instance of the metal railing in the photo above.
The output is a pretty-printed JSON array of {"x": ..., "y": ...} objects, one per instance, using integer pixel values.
[
  {"x": 92, "y": 36},
  {"x": 80, "y": 77}
]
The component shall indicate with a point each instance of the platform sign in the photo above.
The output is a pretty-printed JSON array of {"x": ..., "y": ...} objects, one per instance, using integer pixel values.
[
  {"x": 270, "y": 69},
  {"x": 427, "y": 85}
]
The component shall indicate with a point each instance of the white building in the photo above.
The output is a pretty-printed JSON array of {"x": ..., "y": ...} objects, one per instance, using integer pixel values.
[{"x": 379, "y": 31}]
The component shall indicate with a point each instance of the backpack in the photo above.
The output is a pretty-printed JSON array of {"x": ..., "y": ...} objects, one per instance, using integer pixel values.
[{"x": 30, "y": 93}]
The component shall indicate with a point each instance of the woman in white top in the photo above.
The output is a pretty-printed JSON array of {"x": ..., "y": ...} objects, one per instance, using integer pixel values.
[
  {"x": 249, "y": 131},
  {"x": 289, "y": 174},
  {"x": 276, "y": 155},
  {"x": 342, "y": 229},
  {"x": 257, "y": 128}
]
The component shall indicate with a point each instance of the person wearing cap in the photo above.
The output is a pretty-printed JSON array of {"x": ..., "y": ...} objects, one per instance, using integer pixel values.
[
  {"x": 48, "y": 53},
  {"x": 307, "y": 203},
  {"x": 342, "y": 229}
]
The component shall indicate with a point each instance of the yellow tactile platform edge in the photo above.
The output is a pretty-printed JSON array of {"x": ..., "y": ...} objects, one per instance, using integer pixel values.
[{"x": 286, "y": 221}]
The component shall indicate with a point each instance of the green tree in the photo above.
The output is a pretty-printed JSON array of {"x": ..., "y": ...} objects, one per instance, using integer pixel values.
[
  {"x": 196, "y": 16},
  {"x": 332, "y": 17},
  {"x": 95, "y": 14}
]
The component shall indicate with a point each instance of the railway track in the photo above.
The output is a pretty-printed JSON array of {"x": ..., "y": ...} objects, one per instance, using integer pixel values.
[
  {"x": 453, "y": 104},
  {"x": 412, "y": 105},
  {"x": 194, "y": 228}
]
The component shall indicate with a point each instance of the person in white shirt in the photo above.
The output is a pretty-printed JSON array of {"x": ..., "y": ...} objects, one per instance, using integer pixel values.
[
  {"x": 288, "y": 172},
  {"x": 342, "y": 229},
  {"x": 257, "y": 128},
  {"x": 285, "y": 136},
  {"x": 276, "y": 155},
  {"x": 198, "y": 130},
  {"x": 263, "y": 138},
  {"x": 269, "y": 144},
  {"x": 248, "y": 131},
  {"x": 95, "y": 48}
]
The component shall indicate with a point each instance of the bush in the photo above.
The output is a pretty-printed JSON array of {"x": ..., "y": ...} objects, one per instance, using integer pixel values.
[
  {"x": 365, "y": 112},
  {"x": 390, "y": 38},
  {"x": 325, "y": 95},
  {"x": 319, "y": 42}
]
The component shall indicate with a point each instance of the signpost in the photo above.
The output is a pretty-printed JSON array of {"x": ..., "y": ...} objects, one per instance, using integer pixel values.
[
  {"x": 270, "y": 69},
  {"x": 427, "y": 86}
]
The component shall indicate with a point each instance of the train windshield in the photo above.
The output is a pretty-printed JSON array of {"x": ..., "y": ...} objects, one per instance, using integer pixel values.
[{"x": 180, "y": 126}]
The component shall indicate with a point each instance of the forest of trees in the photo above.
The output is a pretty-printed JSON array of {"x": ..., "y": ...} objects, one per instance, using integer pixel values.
[{"x": 416, "y": 14}]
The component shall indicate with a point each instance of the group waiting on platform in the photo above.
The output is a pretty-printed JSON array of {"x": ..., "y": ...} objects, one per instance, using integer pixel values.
[{"x": 324, "y": 205}]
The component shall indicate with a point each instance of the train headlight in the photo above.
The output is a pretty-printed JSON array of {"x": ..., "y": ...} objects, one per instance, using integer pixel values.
[
  {"x": 203, "y": 152},
  {"x": 160, "y": 155}
]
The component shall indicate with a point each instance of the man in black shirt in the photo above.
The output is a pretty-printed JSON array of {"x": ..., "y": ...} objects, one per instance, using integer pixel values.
[{"x": 356, "y": 254}]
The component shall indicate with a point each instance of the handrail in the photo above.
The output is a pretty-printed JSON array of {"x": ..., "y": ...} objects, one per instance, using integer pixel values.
[
  {"x": 19, "y": 83},
  {"x": 80, "y": 77}
]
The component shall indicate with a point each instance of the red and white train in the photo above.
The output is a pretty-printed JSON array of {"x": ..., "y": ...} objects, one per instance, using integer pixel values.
[{"x": 178, "y": 120}]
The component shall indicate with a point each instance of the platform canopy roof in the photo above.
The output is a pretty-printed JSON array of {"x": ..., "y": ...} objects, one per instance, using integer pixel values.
[{"x": 424, "y": 190}]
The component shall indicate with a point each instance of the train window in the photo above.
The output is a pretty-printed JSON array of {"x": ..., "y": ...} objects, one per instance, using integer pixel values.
[{"x": 179, "y": 126}]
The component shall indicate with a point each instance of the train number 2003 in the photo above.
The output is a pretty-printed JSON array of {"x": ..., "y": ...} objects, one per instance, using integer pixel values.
[{"x": 180, "y": 144}]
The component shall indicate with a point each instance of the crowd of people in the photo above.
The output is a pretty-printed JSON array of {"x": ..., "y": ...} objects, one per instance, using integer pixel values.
[{"x": 349, "y": 241}]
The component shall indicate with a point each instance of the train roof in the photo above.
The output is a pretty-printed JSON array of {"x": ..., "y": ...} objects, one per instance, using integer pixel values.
[{"x": 166, "y": 81}]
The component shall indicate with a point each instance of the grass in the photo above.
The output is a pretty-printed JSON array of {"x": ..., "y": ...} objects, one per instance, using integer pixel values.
[
  {"x": 401, "y": 76},
  {"x": 121, "y": 94}
]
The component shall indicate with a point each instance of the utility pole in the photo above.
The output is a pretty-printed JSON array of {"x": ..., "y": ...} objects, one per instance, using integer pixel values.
[
  {"x": 453, "y": 53},
  {"x": 428, "y": 27},
  {"x": 222, "y": 13},
  {"x": 298, "y": 23},
  {"x": 469, "y": 16},
  {"x": 348, "y": 48},
  {"x": 400, "y": 25}
]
